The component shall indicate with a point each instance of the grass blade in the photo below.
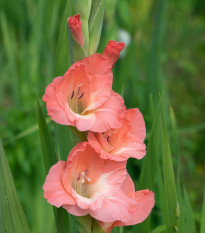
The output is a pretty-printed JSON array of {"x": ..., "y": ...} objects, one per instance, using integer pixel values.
[
  {"x": 48, "y": 151},
  {"x": 62, "y": 62},
  {"x": 202, "y": 228},
  {"x": 149, "y": 167},
  {"x": 169, "y": 180},
  {"x": 12, "y": 218},
  {"x": 190, "y": 227}
]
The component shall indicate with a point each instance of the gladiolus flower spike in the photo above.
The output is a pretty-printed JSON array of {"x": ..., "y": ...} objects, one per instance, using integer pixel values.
[{"x": 94, "y": 180}]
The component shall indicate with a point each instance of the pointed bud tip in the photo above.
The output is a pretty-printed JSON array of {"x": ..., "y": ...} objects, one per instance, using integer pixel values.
[
  {"x": 112, "y": 51},
  {"x": 75, "y": 26}
]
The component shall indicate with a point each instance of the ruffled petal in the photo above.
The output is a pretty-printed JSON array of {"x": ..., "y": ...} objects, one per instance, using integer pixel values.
[
  {"x": 110, "y": 114},
  {"x": 144, "y": 202},
  {"x": 137, "y": 123},
  {"x": 55, "y": 109},
  {"x": 53, "y": 187}
]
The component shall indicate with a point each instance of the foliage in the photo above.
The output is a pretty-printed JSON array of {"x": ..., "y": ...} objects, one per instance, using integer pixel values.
[{"x": 164, "y": 52}]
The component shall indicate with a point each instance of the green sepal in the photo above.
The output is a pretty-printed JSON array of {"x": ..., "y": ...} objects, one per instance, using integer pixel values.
[
  {"x": 76, "y": 52},
  {"x": 95, "y": 24}
]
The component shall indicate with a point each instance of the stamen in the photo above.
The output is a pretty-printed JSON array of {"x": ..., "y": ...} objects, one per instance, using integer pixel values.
[
  {"x": 72, "y": 95},
  {"x": 81, "y": 95},
  {"x": 78, "y": 178},
  {"x": 108, "y": 138},
  {"x": 82, "y": 181},
  {"x": 86, "y": 171},
  {"x": 78, "y": 89}
]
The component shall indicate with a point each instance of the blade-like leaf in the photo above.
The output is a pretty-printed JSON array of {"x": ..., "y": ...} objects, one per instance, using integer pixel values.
[
  {"x": 169, "y": 180},
  {"x": 48, "y": 151},
  {"x": 63, "y": 140},
  {"x": 159, "y": 229},
  {"x": 12, "y": 218},
  {"x": 202, "y": 228},
  {"x": 149, "y": 167},
  {"x": 95, "y": 24},
  {"x": 62, "y": 133},
  {"x": 189, "y": 216},
  {"x": 62, "y": 52}
]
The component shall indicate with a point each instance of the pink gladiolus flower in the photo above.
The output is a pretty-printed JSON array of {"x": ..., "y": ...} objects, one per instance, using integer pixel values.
[
  {"x": 120, "y": 144},
  {"x": 83, "y": 97},
  {"x": 112, "y": 51},
  {"x": 75, "y": 26},
  {"x": 87, "y": 184}
]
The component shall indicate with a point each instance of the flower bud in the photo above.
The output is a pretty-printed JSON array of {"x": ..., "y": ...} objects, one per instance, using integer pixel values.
[
  {"x": 112, "y": 51},
  {"x": 75, "y": 26}
]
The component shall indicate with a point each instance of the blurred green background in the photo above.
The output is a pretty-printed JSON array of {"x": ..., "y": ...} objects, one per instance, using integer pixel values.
[{"x": 165, "y": 50}]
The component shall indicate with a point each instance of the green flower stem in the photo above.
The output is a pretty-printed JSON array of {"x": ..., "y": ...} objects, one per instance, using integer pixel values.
[{"x": 81, "y": 135}]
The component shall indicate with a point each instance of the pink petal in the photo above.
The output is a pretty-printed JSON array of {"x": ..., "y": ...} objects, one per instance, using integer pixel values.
[
  {"x": 131, "y": 147},
  {"x": 137, "y": 123},
  {"x": 110, "y": 114},
  {"x": 54, "y": 108},
  {"x": 97, "y": 65},
  {"x": 115, "y": 208},
  {"x": 75, "y": 210},
  {"x": 53, "y": 187},
  {"x": 144, "y": 204}
]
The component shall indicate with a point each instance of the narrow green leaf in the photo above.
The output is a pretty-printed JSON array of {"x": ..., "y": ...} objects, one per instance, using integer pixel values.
[
  {"x": 159, "y": 229},
  {"x": 149, "y": 166},
  {"x": 169, "y": 180},
  {"x": 162, "y": 201},
  {"x": 12, "y": 218},
  {"x": 61, "y": 132},
  {"x": 48, "y": 151},
  {"x": 95, "y": 24},
  {"x": 63, "y": 221},
  {"x": 182, "y": 222},
  {"x": 63, "y": 140},
  {"x": 202, "y": 228},
  {"x": 189, "y": 216},
  {"x": 62, "y": 62}
]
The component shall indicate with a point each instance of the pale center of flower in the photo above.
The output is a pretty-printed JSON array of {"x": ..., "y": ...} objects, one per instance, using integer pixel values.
[
  {"x": 75, "y": 100},
  {"x": 81, "y": 184}
]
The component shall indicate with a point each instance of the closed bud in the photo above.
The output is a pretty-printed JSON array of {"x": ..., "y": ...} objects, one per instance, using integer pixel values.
[
  {"x": 75, "y": 26},
  {"x": 112, "y": 51}
]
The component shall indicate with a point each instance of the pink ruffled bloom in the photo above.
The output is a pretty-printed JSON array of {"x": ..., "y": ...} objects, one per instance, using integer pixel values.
[
  {"x": 120, "y": 144},
  {"x": 75, "y": 26},
  {"x": 87, "y": 184},
  {"x": 83, "y": 97}
]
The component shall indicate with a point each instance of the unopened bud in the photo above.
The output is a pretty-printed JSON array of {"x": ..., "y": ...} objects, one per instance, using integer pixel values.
[{"x": 75, "y": 26}]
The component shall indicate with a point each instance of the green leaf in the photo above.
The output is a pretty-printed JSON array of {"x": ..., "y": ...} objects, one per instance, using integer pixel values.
[
  {"x": 169, "y": 180},
  {"x": 48, "y": 151},
  {"x": 149, "y": 166},
  {"x": 159, "y": 229},
  {"x": 62, "y": 62},
  {"x": 95, "y": 24},
  {"x": 63, "y": 221},
  {"x": 12, "y": 217},
  {"x": 63, "y": 140},
  {"x": 189, "y": 216},
  {"x": 202, "y": 228}
]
